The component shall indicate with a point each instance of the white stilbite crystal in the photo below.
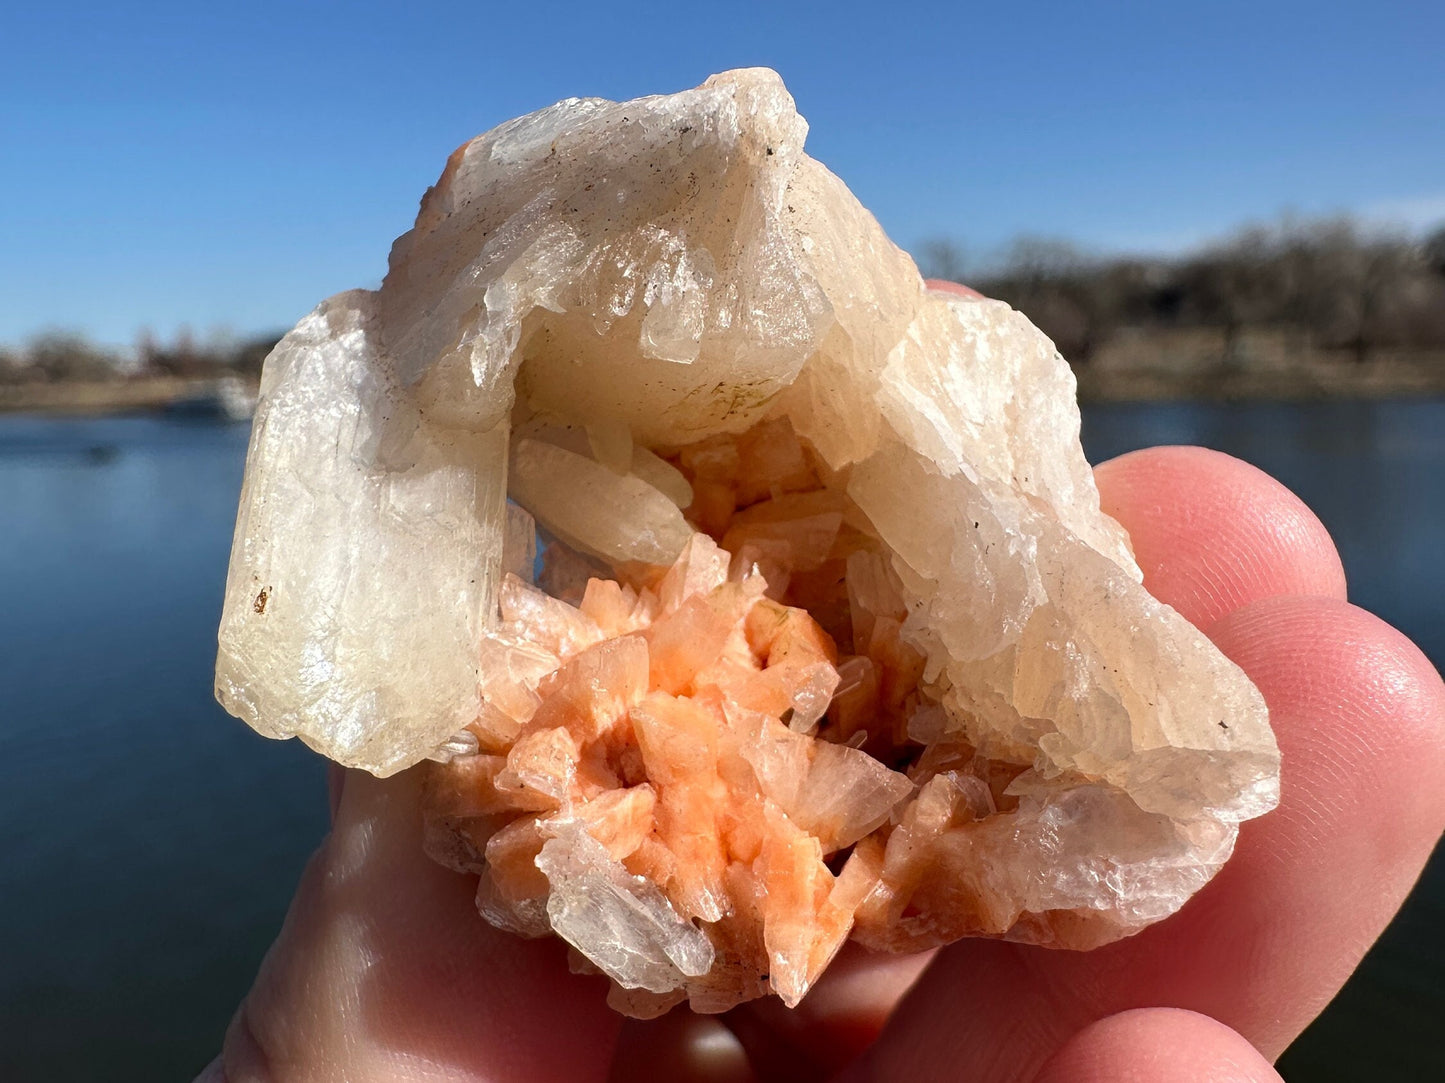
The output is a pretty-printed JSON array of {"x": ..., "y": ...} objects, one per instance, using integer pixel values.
[
  {"x": 652, "y": 319},
  {"x": 519, "y": 544},
  {"x": 614, "y": 516},
  {"x": 662, "y": 476},
  {"x": 835, "y": 793},
  {"x": 366, "y": 552},
  {"x": 623, "y": 923}
]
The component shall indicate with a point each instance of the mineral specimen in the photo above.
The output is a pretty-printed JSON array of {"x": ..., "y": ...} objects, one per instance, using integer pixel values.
[{"x": 830, "y": 637}]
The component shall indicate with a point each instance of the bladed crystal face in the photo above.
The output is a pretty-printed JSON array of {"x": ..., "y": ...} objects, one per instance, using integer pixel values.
[{"x": 740, "y": 593}]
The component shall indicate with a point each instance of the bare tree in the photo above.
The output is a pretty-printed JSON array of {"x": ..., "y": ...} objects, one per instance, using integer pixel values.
[
  {"x": 1052, "y": 282},
  {"x": 1361, "y": 287},
  {"x": 58, "y": 355},
  {"x": 1038, "y": 264},
  {"x": 247, "y": 357},
  {"x": 942, "y": 258},
  {"x": 1324, "y": 283},
  {"x": 12, "y": 366},
  {"x": 1234, "y": 285},
  {"x": 1433, "y": 250}
]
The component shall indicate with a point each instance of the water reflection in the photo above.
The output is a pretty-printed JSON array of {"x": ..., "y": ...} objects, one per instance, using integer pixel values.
[
  {"x": 149, "y": 844},
  {"x": 1373, "y": 472}
]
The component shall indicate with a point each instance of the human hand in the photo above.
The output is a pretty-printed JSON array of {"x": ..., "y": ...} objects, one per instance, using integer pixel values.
[{"x": 384, "y": 971}]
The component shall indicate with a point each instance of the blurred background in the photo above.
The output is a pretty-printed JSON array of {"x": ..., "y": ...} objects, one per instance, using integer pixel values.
[{"x": 1231, "y": 218}]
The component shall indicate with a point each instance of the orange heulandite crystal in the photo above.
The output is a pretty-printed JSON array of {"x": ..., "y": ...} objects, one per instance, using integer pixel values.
[
  {"x": 700, "y": 725},
  {"x": 877, "y": 666}
]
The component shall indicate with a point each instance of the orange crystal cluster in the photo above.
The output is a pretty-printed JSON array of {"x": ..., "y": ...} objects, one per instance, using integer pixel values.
[
  {"x": 687, "y": 745},
  {"x": 898, "y": 679}
]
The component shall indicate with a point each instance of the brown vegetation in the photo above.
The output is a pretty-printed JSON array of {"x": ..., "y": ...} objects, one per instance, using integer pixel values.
[
  {"x": 61, "y": 372},
  {"x": 1298, "y": 308},
  {"x": 64, "y": 357}
]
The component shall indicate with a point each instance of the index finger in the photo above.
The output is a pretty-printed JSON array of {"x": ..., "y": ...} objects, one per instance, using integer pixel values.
[
  {"x": 942, "y": 285},
  {"x": 1358, "y": 712}
]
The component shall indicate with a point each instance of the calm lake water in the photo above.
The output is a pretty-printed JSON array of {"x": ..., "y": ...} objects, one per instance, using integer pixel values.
[{"x": 149, "y": 843}]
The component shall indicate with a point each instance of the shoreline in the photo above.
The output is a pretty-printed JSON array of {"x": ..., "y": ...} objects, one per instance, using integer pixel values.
[
  {"x": 1263, "y": 364},
  {"x": 1233, "y": 385},
  {"x": 226, "y": 394},
  {"x": 1098, "y": 382}
]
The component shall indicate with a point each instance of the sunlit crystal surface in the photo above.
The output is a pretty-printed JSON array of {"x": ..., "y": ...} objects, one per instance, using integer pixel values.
[{"x": 830, "y": 638}]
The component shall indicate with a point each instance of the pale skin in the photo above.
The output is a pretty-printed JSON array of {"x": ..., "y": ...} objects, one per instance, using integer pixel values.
[{"x": 384, "y": 972}]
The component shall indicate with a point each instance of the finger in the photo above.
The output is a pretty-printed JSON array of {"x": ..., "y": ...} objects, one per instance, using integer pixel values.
[
  {"x": 839, "y": 1018},
  {"x": 1360, "y": 713},
  {"x": 1213, "y": 533},
  {"x": 1360, "y": 717},
  {"x": 335, "y": 781},
  {"x": 680, "y": 1047},
  {"x": 1157, "y": 1045},
  {"x": 942, "y": 285},
  {"x": 385, "y": 971}
]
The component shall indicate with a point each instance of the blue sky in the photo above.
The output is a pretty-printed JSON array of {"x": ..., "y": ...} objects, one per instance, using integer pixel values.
[{"x": 230, "y": 165}]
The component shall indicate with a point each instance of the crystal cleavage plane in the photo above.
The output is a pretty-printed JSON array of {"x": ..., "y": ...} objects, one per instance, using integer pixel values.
[{"x": 828, "y": 636}]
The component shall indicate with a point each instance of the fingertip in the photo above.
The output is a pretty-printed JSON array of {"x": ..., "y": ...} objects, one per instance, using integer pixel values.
[
  {"x": 839, "y": 1018},
  {"x": 1213, "y": 533},
  {"x": 1359, "y": 714},
  {"x": 1157, "y": 1045},
  {"x": 681, "y": 1046},
  {"x": 335, "y": 783},
  {"x": 942, "y": 285},
  {"x": 1346, "y": 692}
]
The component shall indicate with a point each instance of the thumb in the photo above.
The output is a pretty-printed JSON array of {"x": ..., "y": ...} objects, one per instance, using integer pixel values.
[
  {"x": 385, "y": 971},
  {"x": 1157, "y": 1045}
]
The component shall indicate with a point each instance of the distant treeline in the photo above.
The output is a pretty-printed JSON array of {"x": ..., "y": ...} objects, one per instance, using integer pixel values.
[
  {"x": 1329, "y": 285},
  {"x": 61, "y": 357},
  {"x": 1330, "y": 288}
]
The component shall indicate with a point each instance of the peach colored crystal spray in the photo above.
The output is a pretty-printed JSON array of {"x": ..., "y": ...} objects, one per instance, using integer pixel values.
[{"x": 831, "y": 637}]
